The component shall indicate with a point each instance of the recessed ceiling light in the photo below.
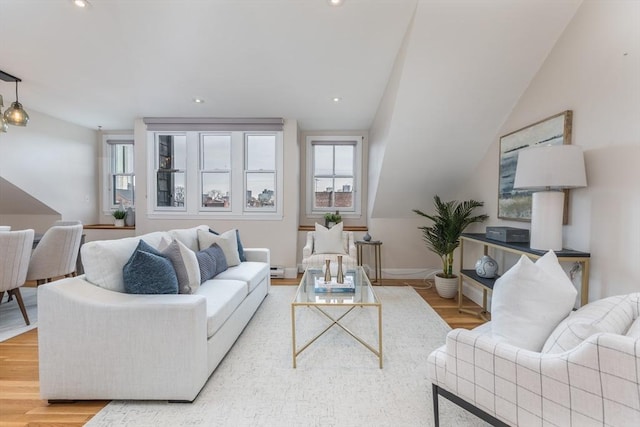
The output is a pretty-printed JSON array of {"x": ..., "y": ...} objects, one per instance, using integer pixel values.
[
  {"x": 336, "y": 99},
  {"x": 81, "y": 3},
  {"x": 198, "y": 100},
  {"x": 335, "y": 2}
]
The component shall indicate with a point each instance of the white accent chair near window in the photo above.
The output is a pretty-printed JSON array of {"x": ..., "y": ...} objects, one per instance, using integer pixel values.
[
  {"x": 56, "y": 253},
  {"x": 324, "y": 244},
  {"x": 587, "y": 372},
  {"x": 15, "y": 251}
]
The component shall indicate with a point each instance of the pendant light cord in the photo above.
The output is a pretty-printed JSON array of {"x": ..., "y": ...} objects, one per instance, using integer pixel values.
[{"x": 16, "y": 91}]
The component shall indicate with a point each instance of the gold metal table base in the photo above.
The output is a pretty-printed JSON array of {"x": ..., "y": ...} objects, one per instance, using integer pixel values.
[{"x": 336, "y": 322}]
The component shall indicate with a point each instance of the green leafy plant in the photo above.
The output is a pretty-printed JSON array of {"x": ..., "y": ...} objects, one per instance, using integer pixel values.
[
  {"x": 119, "y": 213},
  {"x": 333, "y": 217},
  {"x": 449, "y": 221}
]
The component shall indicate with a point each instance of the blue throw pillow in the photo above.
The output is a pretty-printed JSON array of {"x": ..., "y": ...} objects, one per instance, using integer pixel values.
[
  {"x": 207, "y": 264},
  {"x": 148, "y": 272},
  {"x": 243, "y": 258}
]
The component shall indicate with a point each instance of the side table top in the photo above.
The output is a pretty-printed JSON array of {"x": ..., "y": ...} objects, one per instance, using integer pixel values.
[{"x": 370, "y": 242}]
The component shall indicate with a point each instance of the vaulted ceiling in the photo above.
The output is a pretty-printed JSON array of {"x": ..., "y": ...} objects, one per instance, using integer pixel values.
[{"x": 438, "y": 77}]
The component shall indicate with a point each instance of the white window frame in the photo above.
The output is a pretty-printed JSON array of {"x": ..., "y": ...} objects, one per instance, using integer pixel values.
[
  {"x": 201, "y": 171},
  {"x": 357, "y": 141},
  {"x": 108, "y": 142},
  {"x": 193, "y": 202},
  {"x": 246, "y": 171}
]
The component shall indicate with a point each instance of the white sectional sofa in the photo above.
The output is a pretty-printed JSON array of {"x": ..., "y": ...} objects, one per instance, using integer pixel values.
[{"x": 98, "y": 343}]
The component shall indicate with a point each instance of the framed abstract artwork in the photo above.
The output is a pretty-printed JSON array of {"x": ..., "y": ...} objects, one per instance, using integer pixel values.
[{"x": 516, "y": 204}]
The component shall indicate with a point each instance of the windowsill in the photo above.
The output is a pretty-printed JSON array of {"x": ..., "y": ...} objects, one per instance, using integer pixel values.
[
  {"x": 106, "y": 227},
  {"x": 345, "y": 228}
]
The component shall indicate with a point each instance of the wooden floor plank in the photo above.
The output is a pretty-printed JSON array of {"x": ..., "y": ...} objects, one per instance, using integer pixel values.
[{"x": 21, "y": 406}]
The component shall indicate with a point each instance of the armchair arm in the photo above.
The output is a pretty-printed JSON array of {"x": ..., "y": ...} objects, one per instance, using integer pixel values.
[
  {"x": 307, "y": 250},
  {"x": 353, "y": 253},
  {"x": 596, "y": 380},
  {"x": 99, "y": 344}
]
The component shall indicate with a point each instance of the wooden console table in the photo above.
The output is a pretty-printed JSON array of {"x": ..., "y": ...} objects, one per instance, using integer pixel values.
[{"x": 486, "y": 285}]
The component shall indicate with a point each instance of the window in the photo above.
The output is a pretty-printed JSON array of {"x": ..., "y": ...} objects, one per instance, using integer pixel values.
[
  {"x": 260, "y": 172},
  {"x": 119, "y": 176},
  {"x": 334, "y": 165},
  {"x": 217, "y": 173}
]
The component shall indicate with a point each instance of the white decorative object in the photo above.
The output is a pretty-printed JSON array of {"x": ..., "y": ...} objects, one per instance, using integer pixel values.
[
  {"x": 130, "y": 219},
  {"x": 549, "y": 169},
  {"x": 529, "y": 301},
  {"x": 446, "y": 287},
  {"x": 119, "y": 222},
  {"x": 487, "y": 267}
]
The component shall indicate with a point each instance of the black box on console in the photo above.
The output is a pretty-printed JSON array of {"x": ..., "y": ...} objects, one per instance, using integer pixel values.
[{"x": 508, "y": 234}]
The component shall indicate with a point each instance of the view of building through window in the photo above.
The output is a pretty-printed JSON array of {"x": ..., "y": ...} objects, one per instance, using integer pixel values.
[
  {"x": 333, "y": 167},
  {"x": 122, "y": 176}
]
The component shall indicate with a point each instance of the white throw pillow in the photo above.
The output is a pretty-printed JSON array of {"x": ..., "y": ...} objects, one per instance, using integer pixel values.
[
  {"x": 530, "y": 300},
  {"x": 227, "y": 241},
  {"x": 185, "y": 263},
  {"x": 328, "y": 240}
]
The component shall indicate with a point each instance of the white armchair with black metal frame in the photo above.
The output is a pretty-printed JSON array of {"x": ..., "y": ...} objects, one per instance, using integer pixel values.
[
  {"x": 15, "y": 251},
  {"x": 56, "y": 253}
]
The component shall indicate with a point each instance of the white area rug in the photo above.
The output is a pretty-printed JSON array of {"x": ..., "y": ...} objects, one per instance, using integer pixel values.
[
  {"x": 338, "y": 382},
  {"x": 11, "y": 320}
]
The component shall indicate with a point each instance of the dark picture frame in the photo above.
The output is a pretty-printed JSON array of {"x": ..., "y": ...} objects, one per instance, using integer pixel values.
[{"x": 516, "y": 204}]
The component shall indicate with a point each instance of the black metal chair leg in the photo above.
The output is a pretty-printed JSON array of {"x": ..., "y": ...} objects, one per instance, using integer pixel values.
[{"x": 436, "y": 412}]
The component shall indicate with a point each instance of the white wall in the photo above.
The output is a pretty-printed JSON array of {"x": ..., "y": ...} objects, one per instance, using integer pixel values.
[
  {"x": 55, "y": 162},
  {"x": 280, "y": 236},
  {"x": 594, "y": 70}
]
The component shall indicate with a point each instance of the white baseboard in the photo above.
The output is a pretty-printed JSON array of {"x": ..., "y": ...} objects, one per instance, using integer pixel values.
[{"x": 290, "y": 272}]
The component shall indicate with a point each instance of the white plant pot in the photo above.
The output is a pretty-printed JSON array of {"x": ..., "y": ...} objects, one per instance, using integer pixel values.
[
  {"x": 446, "y": 288},
  {"x": 119, "y": 223}
]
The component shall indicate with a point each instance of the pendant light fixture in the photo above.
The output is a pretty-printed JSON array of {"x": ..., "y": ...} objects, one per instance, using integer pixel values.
[{"x": 15, "y": 114}]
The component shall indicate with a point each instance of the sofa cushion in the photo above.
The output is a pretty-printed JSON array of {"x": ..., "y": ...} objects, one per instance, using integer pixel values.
[
  {"x": 188, "y": 236},
  {"x": 241, "y": 254},
  {"x": 103, "y": 260},
  {"x": 328, "y": 240},
  {"x": 529, "y": 301},
  {"x": 185, "y": 263},
  {"x": 252, "y": 273},
  {"x": 227, "y": 241},
  {"x": 207, "y": 263},
  {"x": 613, "y": 314},
  {"x": 223, "y": 297},
  {"x": 149, "y": 272}
]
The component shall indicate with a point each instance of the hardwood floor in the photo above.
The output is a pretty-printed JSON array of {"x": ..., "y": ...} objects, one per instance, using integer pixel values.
[{"x": 20, "y": 403}]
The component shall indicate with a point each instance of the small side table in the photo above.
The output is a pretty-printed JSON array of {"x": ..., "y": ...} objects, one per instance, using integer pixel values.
[{"x": 376, "y": 259}]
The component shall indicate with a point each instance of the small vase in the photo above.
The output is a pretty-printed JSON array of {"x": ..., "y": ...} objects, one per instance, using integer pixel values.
[
  {"x": 130, "y": 219},
  {"x": 327, "y": 271},
  {"x": 366, "y": 237},
  {"x": 119, "y": 223},
  {"x": 486, "y": 267},
  {"x": 340, "y": 275}
]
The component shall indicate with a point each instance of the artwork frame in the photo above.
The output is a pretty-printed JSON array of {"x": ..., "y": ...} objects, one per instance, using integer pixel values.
[{"x": 513, "y": 204}]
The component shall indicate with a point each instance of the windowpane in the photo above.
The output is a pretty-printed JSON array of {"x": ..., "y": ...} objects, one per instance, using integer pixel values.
[
  {"x": 323, "y": 193},
  {"x": 216, "y": 189},
  {"x": 343, "y": 194},
  {"x": 171, "y": 189},
  {"x": 261, "y": 152},
  {"x": 123, "y": 190},
  {"x": 261, "y": 189},
  {"x": 323, "y": 159},
  {"x": 216, "y": 152},
  {"x": 122, "y": 158},
  {"x": 344, "y": 160},
  {"x": 172, "y": 152}
]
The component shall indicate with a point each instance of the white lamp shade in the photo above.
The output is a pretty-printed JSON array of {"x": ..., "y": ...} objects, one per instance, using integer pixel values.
[{"x": 550, "y": 166}]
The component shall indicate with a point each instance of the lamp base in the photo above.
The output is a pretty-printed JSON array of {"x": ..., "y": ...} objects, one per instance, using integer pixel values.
[{"x": 546, "y": 220}]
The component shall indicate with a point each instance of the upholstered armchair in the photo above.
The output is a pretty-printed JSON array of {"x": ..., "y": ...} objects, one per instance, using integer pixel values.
[
  {"x": 586, "y": 374},
  {"x": 324, "y": 244},
  {"x": 56, "y": 253},
  {"x": 15, "y": 251}
]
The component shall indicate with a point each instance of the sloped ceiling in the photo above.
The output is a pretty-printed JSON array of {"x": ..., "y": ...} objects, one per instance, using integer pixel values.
[{"x": 464, "y": 63}]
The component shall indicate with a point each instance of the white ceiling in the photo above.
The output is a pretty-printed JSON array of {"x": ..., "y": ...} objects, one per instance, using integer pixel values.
[{"x": 462, "y": 67}]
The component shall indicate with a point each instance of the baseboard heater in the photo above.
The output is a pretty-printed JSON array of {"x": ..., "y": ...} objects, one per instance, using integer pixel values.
[{"x": 277, "y": 272}]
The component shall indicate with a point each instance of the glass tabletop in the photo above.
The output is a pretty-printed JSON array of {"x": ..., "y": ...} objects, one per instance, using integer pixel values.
[{"x": 312, "y": 289}]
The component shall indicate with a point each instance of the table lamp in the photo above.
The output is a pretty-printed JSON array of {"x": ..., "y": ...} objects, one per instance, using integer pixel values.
[{"x": 549, "y": 169}]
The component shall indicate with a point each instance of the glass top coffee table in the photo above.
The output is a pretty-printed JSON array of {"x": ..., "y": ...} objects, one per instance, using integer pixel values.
[{"x": 362, "y": 296}]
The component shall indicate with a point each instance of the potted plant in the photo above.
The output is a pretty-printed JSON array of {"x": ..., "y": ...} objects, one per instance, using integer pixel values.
[
  {"x": 331, "y": 219},
  {"x": 443, "y": 237},
  {"x": 119, "y": 214}
]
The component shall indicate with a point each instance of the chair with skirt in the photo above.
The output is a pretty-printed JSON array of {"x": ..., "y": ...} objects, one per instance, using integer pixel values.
[
  {"x": 56, "y": 253},
  {"x": 15, "y": 251}
]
